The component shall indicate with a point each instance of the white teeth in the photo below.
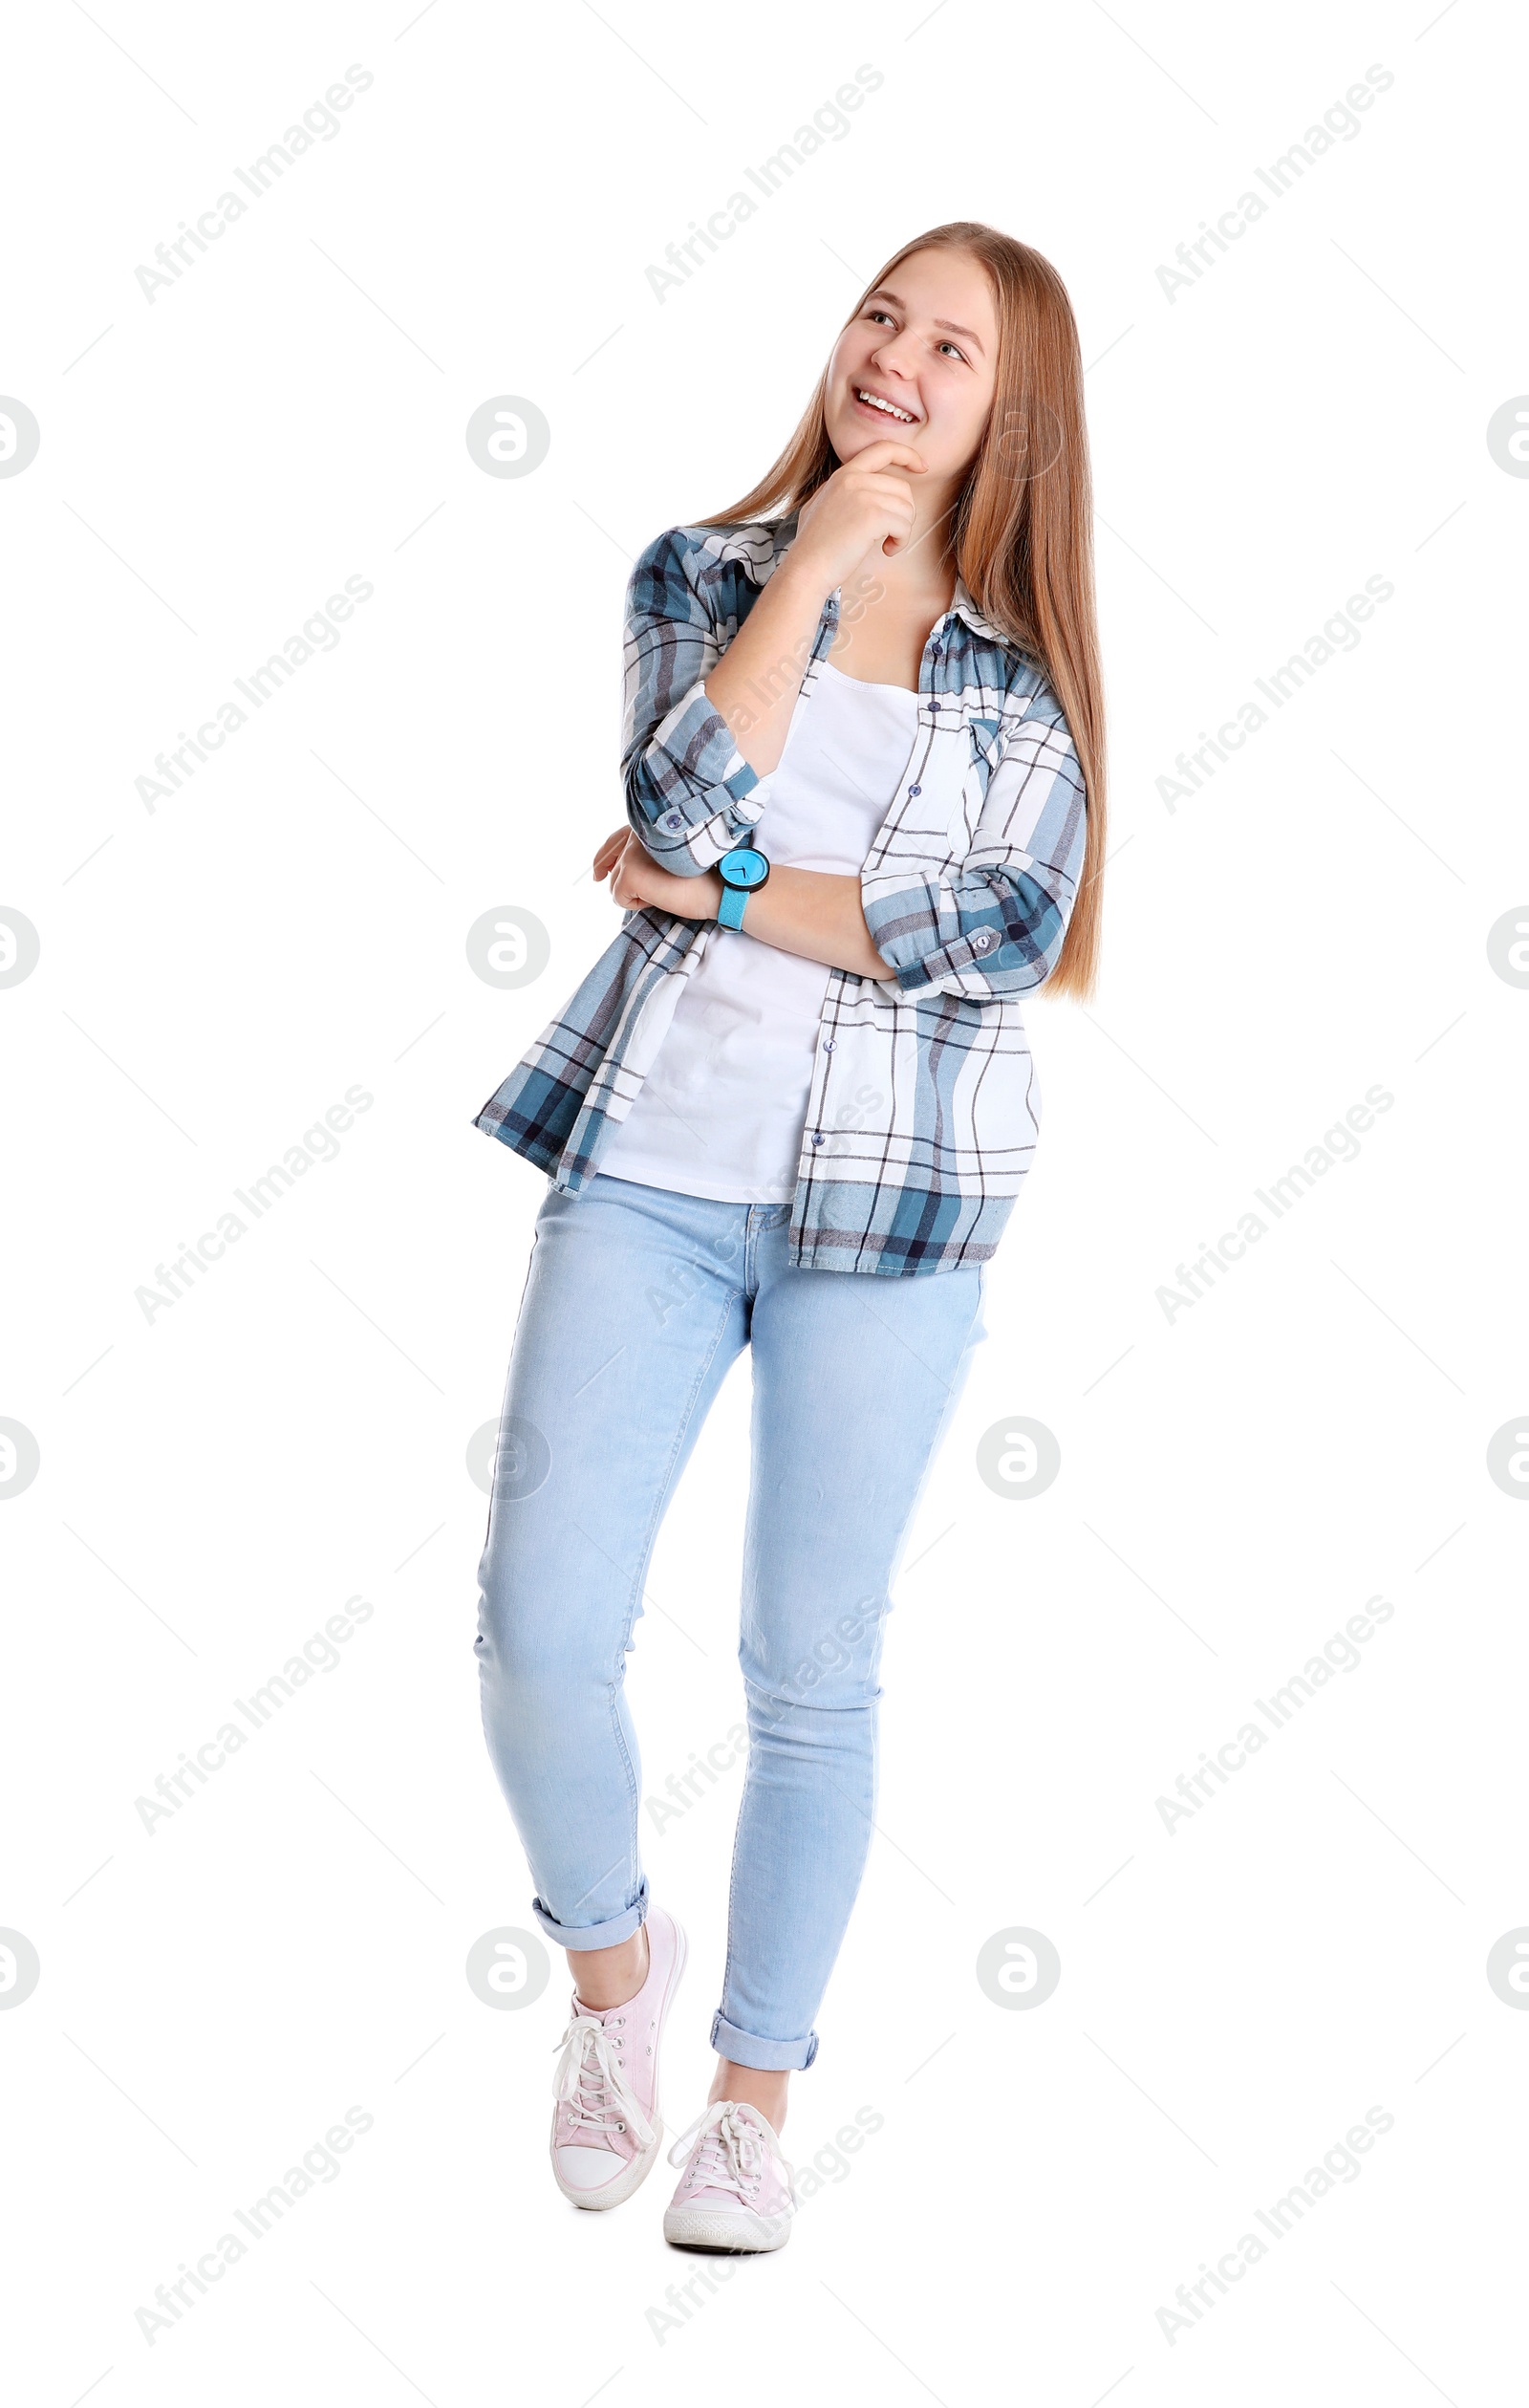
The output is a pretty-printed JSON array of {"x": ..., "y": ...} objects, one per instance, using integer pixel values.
[{"x": 874, "y": 402}]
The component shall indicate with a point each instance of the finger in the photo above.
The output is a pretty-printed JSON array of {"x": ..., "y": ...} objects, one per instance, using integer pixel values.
[
  {"x": 887, "y": 452},
  {"x": 897, "y": 501},
  {"x": 891, "y": 496}
]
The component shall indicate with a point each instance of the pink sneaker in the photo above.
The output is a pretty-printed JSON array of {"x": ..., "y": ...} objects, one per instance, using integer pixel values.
[
  {"x": 607, "y": 2129},
  {"x": 736, "y": 2191}
]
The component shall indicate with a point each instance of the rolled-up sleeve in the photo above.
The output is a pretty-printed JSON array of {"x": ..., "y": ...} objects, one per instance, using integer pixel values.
[
  {"x": 992, "y": 924},
  {"x": 690, "y": 794}
]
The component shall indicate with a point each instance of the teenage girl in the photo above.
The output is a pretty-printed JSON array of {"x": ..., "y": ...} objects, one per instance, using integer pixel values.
[{"x": 790, "y": 1108}]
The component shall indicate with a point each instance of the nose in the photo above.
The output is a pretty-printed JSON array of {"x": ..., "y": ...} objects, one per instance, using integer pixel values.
[{"x": 887, "y": 358}]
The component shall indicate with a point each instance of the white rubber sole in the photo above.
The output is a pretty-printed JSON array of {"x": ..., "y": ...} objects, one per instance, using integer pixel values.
[
  {"x": 724, "y": 2228},
  {"x": 612, "y": 2194}
]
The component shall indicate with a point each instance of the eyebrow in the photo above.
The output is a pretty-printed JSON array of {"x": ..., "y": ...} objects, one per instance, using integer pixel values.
[{"x": 945, "y": 324}]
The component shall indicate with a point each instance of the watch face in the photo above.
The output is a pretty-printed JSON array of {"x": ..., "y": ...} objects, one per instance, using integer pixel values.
[{"x": 744, "y": 867}]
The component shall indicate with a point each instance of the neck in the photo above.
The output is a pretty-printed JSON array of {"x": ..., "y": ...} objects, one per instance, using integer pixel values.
[{"x": 928, "y": 565}]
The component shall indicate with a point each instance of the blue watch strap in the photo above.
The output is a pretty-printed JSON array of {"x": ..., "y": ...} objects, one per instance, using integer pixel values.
[{"x": 742, "y": 868}]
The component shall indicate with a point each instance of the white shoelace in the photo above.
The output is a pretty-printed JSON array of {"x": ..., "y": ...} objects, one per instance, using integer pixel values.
[
  {"x": 732, "y": 2152},
  {"x": 591, "y": 2082}
]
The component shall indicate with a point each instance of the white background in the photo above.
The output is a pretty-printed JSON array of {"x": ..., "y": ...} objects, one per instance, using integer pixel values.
[{"x": 1236, "y": 1482}]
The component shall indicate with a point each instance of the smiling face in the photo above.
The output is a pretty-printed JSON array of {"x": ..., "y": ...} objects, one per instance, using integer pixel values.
[{"x": 919, "y": 362}]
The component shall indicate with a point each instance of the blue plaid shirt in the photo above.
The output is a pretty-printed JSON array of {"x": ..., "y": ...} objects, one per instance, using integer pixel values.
[{"x": 922, "y": 1115}]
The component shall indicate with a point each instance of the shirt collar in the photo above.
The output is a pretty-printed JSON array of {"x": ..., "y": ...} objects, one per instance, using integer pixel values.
[{"x": 963, "y": 603}]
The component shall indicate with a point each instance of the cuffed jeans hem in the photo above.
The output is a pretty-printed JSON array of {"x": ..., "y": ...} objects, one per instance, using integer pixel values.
[
  {"x": 607, "y": 1935},
  {"x": 767, "y": 2056}
]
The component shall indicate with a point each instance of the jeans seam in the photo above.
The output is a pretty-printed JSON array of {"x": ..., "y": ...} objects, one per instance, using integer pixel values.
[
  {"x": 525, "y": 1288},
  {"x": 721, "y": 2015},
  {"x": 954, "y": 1397},
  {"x": 661, "y": 1506}
]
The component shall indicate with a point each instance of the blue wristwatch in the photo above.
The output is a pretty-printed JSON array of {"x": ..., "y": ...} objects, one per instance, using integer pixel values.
[{"x": 742, "y": 871}]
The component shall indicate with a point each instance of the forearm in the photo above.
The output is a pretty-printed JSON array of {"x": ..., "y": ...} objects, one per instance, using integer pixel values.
[
  {"x": 755, "y": 685},
  {"x": 810, "y": 912}
]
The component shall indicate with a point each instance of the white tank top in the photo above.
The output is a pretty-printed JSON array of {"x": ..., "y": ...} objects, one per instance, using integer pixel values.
[{"x": 721, "y": 1111}]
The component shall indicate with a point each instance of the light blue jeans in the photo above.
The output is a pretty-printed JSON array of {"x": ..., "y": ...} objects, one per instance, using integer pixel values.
[{"x": 635, "y": 1303}]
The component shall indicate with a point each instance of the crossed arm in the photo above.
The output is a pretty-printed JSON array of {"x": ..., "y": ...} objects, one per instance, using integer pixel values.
[{"x": 812, "y": 912}]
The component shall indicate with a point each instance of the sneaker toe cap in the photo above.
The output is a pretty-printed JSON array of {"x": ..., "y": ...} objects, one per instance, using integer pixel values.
[{"x": 588, "y": 2169}]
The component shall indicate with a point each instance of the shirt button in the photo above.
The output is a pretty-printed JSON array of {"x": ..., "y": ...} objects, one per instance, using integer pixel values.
[
  {"x": 817, "y": 1137},
  {"x": 983, "y": 941},
  {"x": 914, "y": 790},
  {"x": 675, "y": 820},
  {"x": 828, "y": 1045}
]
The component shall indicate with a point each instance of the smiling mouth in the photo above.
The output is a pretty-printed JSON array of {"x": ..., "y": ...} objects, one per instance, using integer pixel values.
[{"x": 883, "y": 407}]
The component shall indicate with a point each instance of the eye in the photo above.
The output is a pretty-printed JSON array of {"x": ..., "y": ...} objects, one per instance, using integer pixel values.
[
  {"x": 948, "y": 345},
  {"x": 880, "y": 313}
]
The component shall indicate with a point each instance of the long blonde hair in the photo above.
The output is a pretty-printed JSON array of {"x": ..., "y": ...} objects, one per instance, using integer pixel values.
[{"x": 1022, "y": 532}]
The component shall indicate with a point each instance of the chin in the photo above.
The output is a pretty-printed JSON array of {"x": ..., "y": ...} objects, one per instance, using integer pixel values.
[
  {"x": 848, "y": 436},
  {"x": 843, "y": 433}
]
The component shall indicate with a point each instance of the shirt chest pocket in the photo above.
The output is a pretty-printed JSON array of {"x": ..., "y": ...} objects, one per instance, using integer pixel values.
[
  {"x": 987, "y": 736},
  {"x": 981, "y": 750},
  {"x": 941, "y": 799}
]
